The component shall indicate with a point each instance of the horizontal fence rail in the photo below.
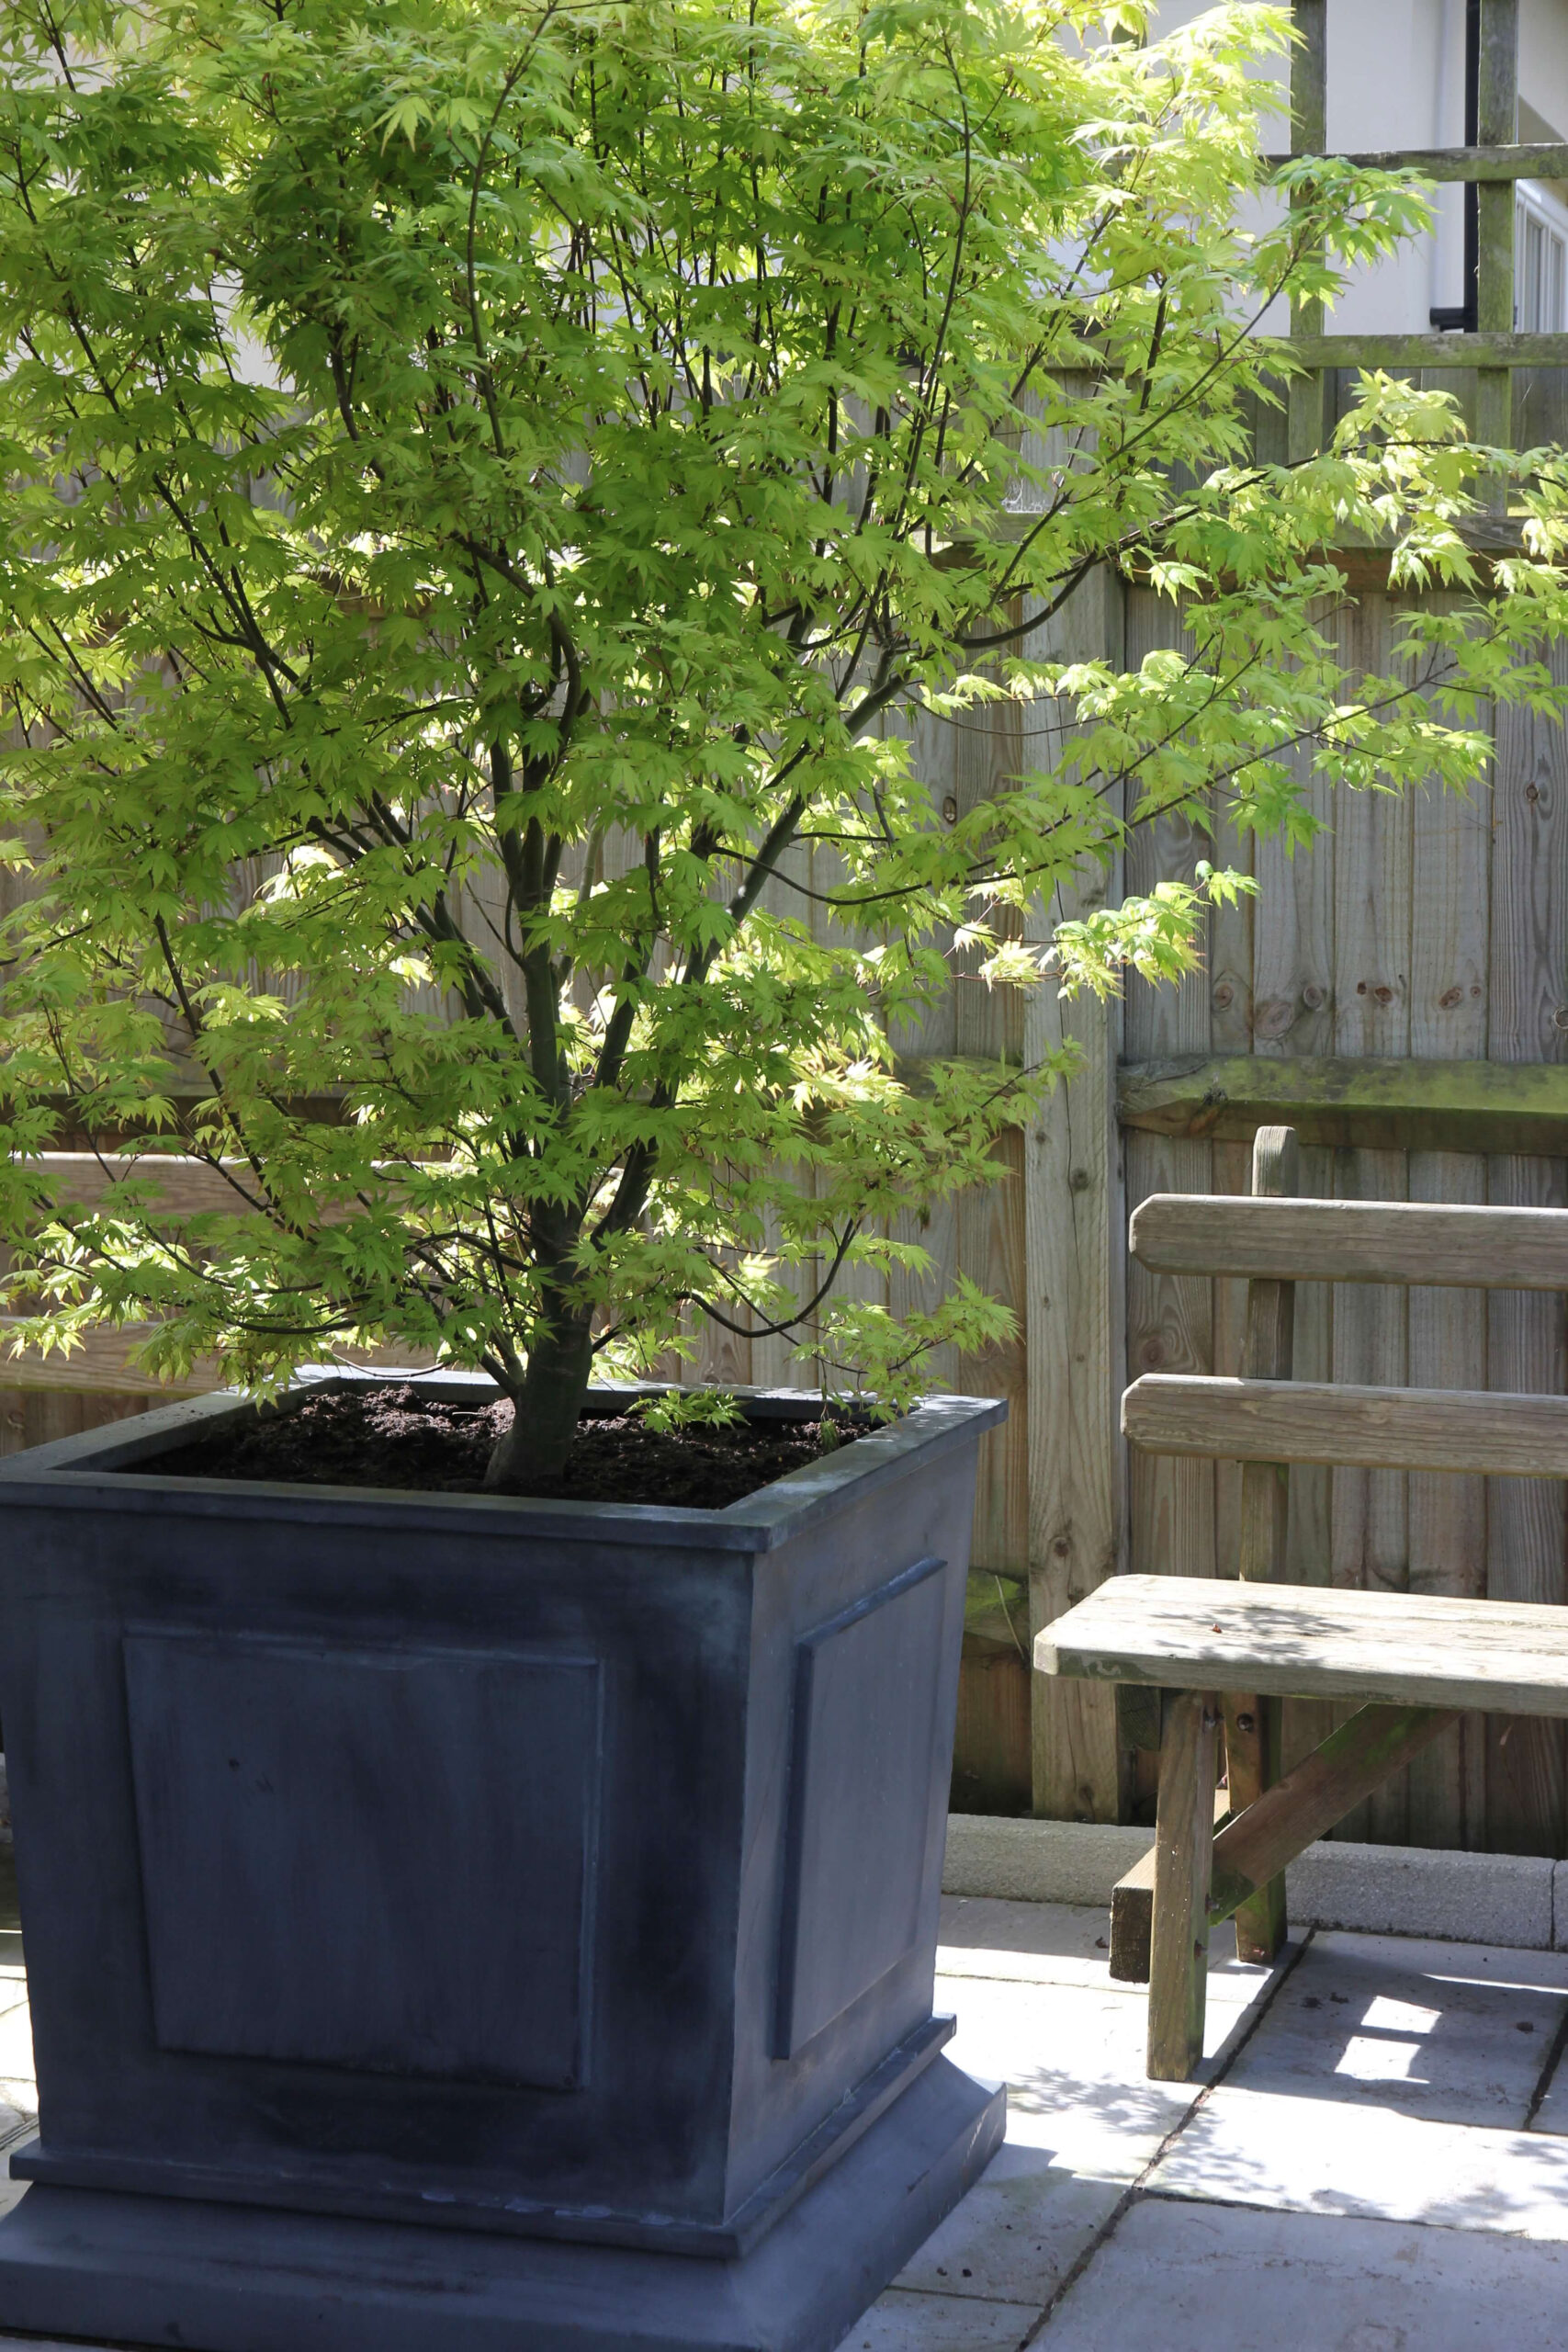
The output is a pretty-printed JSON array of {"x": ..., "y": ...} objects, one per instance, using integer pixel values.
[
  {"x": 1497, "y": 347},
  {"x": 1388, "y": 1104},
  {"x": 102, "y": 1363},
  {"x": 184, "y": 1186},
  {"x": 1535, "y": 159}
]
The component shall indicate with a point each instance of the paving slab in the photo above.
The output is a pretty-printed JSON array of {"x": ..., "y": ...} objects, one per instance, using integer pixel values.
[
  {"x": 1073, "y": 2060},
  {"x": 1424, "y": 1891},
  {"x": 1052, "y": 1944},
  {"x": 1459, "y": 2033},
  {"x": 1184, "y": 2277},
  {"x": 1358, "y": 2181},
  {"x": 1060, "y": 1943},
  {"x": 1017, "y": 2233},
  {"x": 901, "y": 2322},
  {"x": 1313, "y": 2156},
  {"x": 1520, "y": 1899},
  {"x": 15, "y": 2043},
  {"x": 989, "y": 1855},
  {"x": 1553, "y": 2113}
]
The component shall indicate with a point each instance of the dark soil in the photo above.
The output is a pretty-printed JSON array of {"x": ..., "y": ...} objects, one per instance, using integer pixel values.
[{"x": 398, "y": 1437}]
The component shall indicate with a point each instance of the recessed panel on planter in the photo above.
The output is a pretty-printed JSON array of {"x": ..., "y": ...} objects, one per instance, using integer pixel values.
[
  {"x": 371, "y": 1859},
  {"x": 866, "y": 1696}
]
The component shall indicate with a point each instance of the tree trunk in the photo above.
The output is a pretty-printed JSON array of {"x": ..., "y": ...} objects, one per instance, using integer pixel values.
[{"x": 544, "y": 1411}]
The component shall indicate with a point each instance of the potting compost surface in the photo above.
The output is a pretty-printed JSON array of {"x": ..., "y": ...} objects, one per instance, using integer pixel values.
[{"x": 397, "y": 1437}]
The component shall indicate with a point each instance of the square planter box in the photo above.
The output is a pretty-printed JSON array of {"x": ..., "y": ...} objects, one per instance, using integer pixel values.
[{"x": 450, "y": 1874}]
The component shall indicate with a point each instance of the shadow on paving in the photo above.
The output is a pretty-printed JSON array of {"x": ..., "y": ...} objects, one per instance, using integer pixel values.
[
  {"x": 1178, "y": 2277},
  {"x": 1373, "y": 2170}
]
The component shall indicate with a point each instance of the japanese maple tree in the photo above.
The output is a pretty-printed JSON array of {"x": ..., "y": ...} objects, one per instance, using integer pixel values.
[{"x": 488, "y": 485}]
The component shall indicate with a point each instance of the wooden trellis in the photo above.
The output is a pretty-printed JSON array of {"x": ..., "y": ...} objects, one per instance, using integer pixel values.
[{"x": 1492, "y": 163}]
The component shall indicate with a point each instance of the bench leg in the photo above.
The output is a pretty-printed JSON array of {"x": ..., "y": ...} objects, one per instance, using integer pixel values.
[
  {"x": 1184, "y": 1828},
  {"x": 1133, "y": 1909},
  {"x": 1252, "y": 1764}
]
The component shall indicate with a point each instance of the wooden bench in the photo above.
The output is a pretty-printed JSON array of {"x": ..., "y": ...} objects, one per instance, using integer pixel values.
[{"x": 1199, "y": 1662}]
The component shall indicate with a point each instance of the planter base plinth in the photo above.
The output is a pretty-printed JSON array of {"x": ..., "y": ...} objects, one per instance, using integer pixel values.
[{"x": 241, "y": 2279}]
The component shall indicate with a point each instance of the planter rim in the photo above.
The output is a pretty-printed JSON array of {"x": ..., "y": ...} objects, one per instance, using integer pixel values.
[{"x": 84, "y": 1472}]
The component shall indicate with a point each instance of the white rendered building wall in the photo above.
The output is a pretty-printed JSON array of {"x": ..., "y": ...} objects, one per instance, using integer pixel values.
[
  {"x": 1396, "y": 80},
  {"x": 1543, "y": 66}
]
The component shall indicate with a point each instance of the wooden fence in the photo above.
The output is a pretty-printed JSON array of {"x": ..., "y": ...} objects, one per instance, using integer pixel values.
[
  {"x": 1400, "y": 994},
  {"x": 1385, "y": 984}
]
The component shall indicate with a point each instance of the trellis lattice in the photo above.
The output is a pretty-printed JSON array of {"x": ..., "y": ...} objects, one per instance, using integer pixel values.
[{"x": 1492, "y": 162}]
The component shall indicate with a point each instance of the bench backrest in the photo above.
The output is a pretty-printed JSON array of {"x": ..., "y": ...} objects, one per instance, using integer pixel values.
[
  {"x": 1352, "y": 1241},
  {"x": 1274, "y": 1241}
]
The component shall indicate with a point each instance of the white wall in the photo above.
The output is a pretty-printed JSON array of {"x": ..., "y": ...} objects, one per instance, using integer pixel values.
[
  {"x": 1396, "y": 80},
  {"x": 1543, "y": 65}
]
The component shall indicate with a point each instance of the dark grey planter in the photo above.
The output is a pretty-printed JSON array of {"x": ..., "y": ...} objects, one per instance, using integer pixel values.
[{"x": 481, "y": 1922}]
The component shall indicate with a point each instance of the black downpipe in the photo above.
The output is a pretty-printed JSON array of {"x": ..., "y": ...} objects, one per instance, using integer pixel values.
[{"x": 1468, "y": 317}]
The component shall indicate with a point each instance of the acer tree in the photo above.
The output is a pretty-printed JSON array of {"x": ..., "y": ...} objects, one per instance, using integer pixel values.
[{"x": 484, "y": 482}]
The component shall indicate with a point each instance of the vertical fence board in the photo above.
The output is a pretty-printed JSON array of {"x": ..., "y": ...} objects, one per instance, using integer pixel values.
[
  {"x": 1451, "y": 872},
  {"x": 988, "y": 755},
  {"x": 1292, "y": 1013},
  {"x": 1169, "y": 1317},
  {"x": 1076, "y": 1326},
  {"x": 1371, "y": 1016},
  {"x": 38, "y": 1415},
  {"x": 990, "y": 1237},
  {"x": 1075, "y": 1257},
  {"x": 1231, "y": 944},
  {"x": 1231, "y": 957},
  {"x": 1293, "y": 927},
  {"x": 1309, "y": 1536},
  {"x": 1526, "y": 1524},
  {"x": 912, "y": 1292},
  {"x": 1232, "y": 1172},
  {"x": 724, "y": 1357},
  {"x": 773, "y": 1361}
]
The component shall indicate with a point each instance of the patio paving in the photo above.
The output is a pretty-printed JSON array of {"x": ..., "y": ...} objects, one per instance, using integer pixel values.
[{"x": 1376, "y": 2159}]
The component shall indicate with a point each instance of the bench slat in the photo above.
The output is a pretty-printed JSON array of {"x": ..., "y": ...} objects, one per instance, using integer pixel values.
[
  {"x": 1363, "y": 1429},
  {"x": 1315, "y": 1642},
  {"x": 1351, "y": 1241}
]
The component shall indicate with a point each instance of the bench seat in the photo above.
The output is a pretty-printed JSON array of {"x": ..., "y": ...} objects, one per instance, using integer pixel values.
[{"x": 1316, "y": 1642}]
